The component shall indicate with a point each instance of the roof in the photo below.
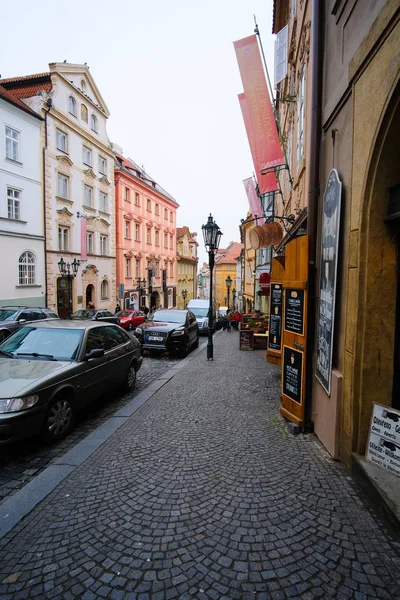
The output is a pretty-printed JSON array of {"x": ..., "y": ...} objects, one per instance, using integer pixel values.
[
  {"x": 230, "y": 254},
  {"x": 12, "y": 99},
  {"x": 27, "y": 85}
]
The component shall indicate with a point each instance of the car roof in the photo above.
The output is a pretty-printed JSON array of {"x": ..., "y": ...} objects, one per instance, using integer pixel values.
[
  {"x": 177, "y": 310},
  {"x": 67, "y": 324},
  {"x": 21, "y": 307}
]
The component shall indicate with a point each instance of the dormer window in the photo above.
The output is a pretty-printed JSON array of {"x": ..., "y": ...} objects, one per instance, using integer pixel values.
[
  {"x": 93, "y": 123},
  {"x": 84, "y": 113},
  {"x": 72, "y": 106}
]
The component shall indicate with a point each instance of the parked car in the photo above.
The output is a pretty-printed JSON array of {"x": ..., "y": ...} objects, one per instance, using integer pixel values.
[
  {"x": 49, "y": 370},
  {"x": 13, "y": 317},
  {"x": 93, "y": 314},
  {"x": 130, "y": 319},
  {"x": 169, "y": 329}
]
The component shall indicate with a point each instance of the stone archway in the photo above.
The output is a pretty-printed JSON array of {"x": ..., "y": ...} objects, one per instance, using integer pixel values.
[{"x": 90, "y": 284}]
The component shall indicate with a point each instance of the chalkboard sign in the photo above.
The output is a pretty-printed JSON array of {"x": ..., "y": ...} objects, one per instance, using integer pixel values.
[
  {"x": 275, "y": 318},
  {"x": 246, "y": 340},
  {"x": 292, "y": 373},
  {"x": 383, "y": 447},
  {"x": 294, "y": 311}
]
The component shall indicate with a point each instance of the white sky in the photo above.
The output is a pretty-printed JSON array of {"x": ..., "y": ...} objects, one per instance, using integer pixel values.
[{"x": 168, "y": 73}]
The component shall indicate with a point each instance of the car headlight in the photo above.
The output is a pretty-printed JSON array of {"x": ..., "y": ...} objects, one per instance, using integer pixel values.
[
  {"x": 8, "y": 405},
  {"x": 178, "y": 332}
]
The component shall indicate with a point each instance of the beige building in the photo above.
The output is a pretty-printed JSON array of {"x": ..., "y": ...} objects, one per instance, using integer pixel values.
[{"x": 186, "y": 257}]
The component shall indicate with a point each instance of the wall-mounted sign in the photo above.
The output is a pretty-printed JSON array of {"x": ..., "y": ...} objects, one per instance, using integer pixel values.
[
  {"x": 246, "y": 340},
  {"x": 328, "y": 271},
  {"x": 292, "y": 374},
  {"x": 275, "y": 318},
  {"x": 383, "y": 447},
  {"x": 294, "y": 311}
]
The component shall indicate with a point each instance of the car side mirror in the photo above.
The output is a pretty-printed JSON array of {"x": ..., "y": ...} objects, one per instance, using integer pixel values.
[
  {"x": 21, "y": 320},
  {"x": 95, "y": 353}
]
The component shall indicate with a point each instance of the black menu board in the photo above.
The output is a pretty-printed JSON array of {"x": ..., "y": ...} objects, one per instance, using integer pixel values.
[
  {"x": 246, "y": 339},
  {"x": 275, "y": 318},
  {"x": 292, "y": 373},
  {"x": 294, "y": 311}
]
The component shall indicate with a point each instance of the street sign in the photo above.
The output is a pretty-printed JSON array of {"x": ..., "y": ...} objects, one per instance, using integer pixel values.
[{"x": 121, "y": 290}]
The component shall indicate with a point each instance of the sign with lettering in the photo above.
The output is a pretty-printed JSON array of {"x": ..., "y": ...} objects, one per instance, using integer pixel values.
[
  {"x": 246, "y": 340},
  {"x": 294, "y": 311},
  {"x": 328, "y": 271},
  {"x": 383, "y": 447},
  {"x": 292, "y": 374},
  {"x": 275, "y": 317}
]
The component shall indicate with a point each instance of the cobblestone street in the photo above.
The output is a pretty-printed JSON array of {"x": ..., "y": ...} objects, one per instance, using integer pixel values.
[{"x": 204, "y": 494}]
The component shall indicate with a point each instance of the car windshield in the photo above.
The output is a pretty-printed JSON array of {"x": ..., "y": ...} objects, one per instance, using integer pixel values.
[
  {"x": 83, "y": 314},
  {"x": 62, "y": 344},
  {"x": 199, "y": 312},
  {"x": 7, "y": 314},
  {"x": 168, "y": 316}
]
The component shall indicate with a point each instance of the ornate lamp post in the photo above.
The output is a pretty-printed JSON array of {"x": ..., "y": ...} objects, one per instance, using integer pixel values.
[
  {"x": 141, "y": 286},
  {"x": 212, "y": 237},
  {"x": 184, "y": 294},
  {"x": 70, "y": 271},
  {"x": 228, "y": 282}
]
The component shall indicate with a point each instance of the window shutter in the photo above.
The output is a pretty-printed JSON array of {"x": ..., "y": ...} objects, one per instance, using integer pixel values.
[{"x": 281, "y": 54}]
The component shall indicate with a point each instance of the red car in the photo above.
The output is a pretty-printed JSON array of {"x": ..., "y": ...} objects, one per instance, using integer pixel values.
[{"x": 130, "y": 319}]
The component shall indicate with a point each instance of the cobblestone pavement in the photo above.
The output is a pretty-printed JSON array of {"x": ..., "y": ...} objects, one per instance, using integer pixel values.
[
  {"x": 203, "y": 494},
  {"x": 22, "y": 461}
]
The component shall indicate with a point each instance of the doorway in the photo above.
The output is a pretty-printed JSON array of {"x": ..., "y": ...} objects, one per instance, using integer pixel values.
[
  {"x": 63, "y": 297},
  {"x": 89, "y": 294}
]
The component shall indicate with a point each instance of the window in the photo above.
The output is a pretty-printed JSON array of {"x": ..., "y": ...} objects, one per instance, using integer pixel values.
[
  {"x": 165, "y": 214},
  {"x": 63, "y": 239},
  {"x": 148, "y": 235},
  {"x": 102, "y": 165},
  {"x": 84, "y": 113},
  {"x": 171, "y": 216},
  {"x": 27, "y": 269},
  {"x": 103, "y": 245},
  {"x": 104, "y": 289},
  {"x": 87, "y": 156},
  {"x": 127, "y": 267},
  {"x": 171, "y": 269},
  {"x": 148, "y": 204},
  {"x": 90, "y": 242},
  {"x": 88, "y": 196},
  {"x": 157, "y": 209},
  {"x": 169, "y": 298},
  {"x": 171, "y": 243},
  {"x": 300, "y": 118},
  {"x": 137, "y": 199},
  {"x": 127, "y": 229},
  {"x": 103, "y": 202},
  {"x": 12, "y": 144},
  {"x": 83, "y": 85},
  {"x": 61, "y": 141},
  {"x": 93, "y": 123},
  {"x": 157, "y": 270},
  {"x": 137, "y": 232},
  {"x": 165, "y": 240},
  {"x": 72, "y": 106},
  {"x": 62, "y": 186},
  {"x": 13, "y": 203},
  {"x": 137, "y": 268},
  {"x": 157, "y": 238},
  {"x": 127, "y": 196}
]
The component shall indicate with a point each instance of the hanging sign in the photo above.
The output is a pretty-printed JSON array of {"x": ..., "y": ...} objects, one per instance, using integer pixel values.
[
  {"x": 328, "y": 272},
  {"x": 275, "y": 318},
  {"x": 383, "y": 447},
  {"x": 294, "y": 311},
  {"x": 292, "y": 374}
]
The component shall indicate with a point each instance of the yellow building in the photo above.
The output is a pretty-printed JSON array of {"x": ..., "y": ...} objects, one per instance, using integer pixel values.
[
  {"x": 186, "y": 255},
  {"x": 225, "y": 266}
]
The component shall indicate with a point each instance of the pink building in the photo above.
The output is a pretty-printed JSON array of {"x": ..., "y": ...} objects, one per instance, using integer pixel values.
[{"x": 145, "y": 238}]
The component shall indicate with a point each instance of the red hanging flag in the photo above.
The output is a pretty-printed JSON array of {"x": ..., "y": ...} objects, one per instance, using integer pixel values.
[
  {"x": 254, "y": 200},
  {"x": 83, "y": 238}
]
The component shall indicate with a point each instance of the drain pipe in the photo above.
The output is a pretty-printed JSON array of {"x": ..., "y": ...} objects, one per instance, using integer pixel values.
[
  {"x": 49, "y": 104},
  {"x": 313, "y": 192}
]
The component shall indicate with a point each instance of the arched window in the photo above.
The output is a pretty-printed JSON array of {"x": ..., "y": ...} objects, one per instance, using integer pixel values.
[
  {"x": 27, "y": 269},
  {"x": 93, "y": 123},
  {"x": 84, "y": 113},
  {"x": 104, "y": 289},
  {"x": 83, "y": 85},
  {"x": 72, "y": 106}
]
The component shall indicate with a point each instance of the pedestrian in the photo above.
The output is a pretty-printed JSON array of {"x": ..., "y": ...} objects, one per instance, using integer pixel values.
[
  {"x": 145, "y": 311},
  {"x": 117, "y": 308},
  {"x": 229, "y": 320},
  {"x": 90, "y": 305},
  {"x": 235, "y": 320}
]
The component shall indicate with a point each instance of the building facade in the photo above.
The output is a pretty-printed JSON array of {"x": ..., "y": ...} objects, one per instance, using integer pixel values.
[
  {"x": 21, "y": 204},
  {"x": 186, "y": 255}
]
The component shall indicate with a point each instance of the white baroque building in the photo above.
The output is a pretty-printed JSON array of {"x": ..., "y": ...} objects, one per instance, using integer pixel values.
[
  {"x": 21, "y": 205},
  {"x": 78, "y": 185}
]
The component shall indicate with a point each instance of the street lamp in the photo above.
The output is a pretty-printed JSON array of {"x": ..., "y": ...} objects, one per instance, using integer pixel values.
[
  {"x": 184, "y": 294},
  {"x": 141, "y": 286},
  {"x": 212, "y": 237},
  {"x": 228, "y": 282},
  {"x": 70, "y": 271}
]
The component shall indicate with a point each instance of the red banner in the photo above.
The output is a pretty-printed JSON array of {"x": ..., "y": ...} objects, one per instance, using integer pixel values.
[
  {"x": 261, "y": 116},
  {"x": 267, "y": 182},
  {"x": 254, "y": 200},
  {"x": 83, "y": 238}
]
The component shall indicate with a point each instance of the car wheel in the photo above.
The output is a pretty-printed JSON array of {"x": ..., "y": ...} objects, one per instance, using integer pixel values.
[
  {"x": 130, "y": 380},
  {"x": 59, "y": 419},
  {"x": 186, "y": 349}
]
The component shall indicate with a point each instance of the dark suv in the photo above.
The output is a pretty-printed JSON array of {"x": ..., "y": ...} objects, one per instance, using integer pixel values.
[{"x": 13, "y": 317}]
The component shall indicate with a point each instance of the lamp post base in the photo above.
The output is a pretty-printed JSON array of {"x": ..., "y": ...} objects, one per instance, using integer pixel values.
[{"x": 210, "y": 351}]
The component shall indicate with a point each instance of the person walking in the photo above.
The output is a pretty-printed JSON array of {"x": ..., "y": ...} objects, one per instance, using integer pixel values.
[
  {"x": 117, "y": 308},
  {"x": 229, "y": 320}
]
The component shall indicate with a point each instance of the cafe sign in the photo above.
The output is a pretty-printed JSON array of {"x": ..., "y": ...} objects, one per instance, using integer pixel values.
[{"x": 383, "y": 447}]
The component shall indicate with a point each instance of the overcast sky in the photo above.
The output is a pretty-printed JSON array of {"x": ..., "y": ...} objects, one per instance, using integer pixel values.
[{"x": 167, "y": 71}]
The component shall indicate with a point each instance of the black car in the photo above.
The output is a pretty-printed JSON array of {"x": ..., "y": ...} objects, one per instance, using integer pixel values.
[
  {"x": 93, "y": 314},
  {"x": 13, "y": 317},
  {"x": 170, "y": 330}
]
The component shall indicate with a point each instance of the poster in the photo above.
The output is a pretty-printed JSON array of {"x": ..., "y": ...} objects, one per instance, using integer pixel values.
[
  {"x": 328, "y": 272},
  {"x": 294, "y": 311},
  {"x": 275, "y": 318},
  {"x": 383, "y": 447},
  {"x": 246, "y": 341},
  {"x": 292, "y": 374}
]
